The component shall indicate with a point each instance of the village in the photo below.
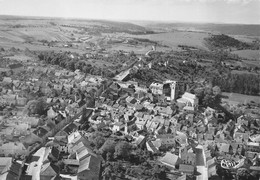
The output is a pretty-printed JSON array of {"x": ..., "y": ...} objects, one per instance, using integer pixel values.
[{"x": 61, "y": 124}]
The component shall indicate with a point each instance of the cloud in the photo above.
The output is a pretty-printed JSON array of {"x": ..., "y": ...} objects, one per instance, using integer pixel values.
[{"x": 226, "y": 1}]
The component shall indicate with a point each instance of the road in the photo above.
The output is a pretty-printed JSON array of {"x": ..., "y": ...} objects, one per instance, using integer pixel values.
[
  {"x": 121, "y": 76},
  {"x": 201, "y": 164}
]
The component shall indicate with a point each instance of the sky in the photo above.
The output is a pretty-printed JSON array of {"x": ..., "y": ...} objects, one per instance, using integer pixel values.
[{"x": 213, "y": 11}]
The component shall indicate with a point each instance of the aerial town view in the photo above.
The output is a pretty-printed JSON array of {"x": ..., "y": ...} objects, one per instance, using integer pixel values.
[{"x": 130, "y": 90}]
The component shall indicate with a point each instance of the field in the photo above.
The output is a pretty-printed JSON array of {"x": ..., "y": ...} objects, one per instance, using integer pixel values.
[
  {"x": 20, "y": 57},
  {"x": 247, "y": 39},
  {"x": 140, "y": 50},
  {"x": 249, "y": 54},
  {"x": 240, "y": 98},
  {"x": 173, "y": 39}
]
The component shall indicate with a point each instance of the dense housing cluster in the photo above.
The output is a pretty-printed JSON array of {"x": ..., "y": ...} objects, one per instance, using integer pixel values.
[{"x": 72, "y": 124}]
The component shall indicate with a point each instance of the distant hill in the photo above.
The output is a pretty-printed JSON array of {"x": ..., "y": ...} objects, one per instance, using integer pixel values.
[
  {"x": 100, "y": 25},
  {"x": 231, "y": 29}
]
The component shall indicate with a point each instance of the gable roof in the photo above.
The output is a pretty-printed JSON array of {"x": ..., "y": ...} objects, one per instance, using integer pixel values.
[
  {"x": 90, "y": 164},
  {"x": 170, "y": 159},
  {"x": 55, "y": 152},
  {"x": 69, "y": 128},
  {"x": 49, "y": 169},
  {"x": 4, "y": 161},
  {"x": 224, "y": 147},
  {"x": 189, "y": 95},
  {"x": 11, "y": 171}
]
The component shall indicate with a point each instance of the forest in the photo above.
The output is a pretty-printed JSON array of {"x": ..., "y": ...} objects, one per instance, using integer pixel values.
[
  {"x": 239, "y": 83},
  {"x": 63, "y": 60}
]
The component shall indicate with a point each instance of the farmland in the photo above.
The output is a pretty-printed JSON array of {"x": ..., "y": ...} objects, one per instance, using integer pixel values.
[
  {"x": 173, "y": 39},
  {"x": 249, "y": 54}
]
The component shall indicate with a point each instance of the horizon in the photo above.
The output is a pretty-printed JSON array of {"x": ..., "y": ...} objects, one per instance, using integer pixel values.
[
  {"x": 122, "y": 20},
  {"x": 168, "y": 11}
]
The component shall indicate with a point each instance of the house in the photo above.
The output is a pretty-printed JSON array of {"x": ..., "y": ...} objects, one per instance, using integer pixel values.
[
  {"x": 187, "y": 156},
  {"x": 170, "y": 160},
  {"x": 89, "y": 163},
  {"x": 141, "y": 122},
  {"x": 51, "y": 113},
  {"x": 35, "y": 164},
  {"x": 255, "y": 138},
  {"x": 211, "y": 164},
  {"x": 150, "y": 147},
  {"x": 130, "y": 126},
  {"x": 21, "y": 101},
  {"x": 140, "y": 141},
  {"x": 48, "y": 171},
  {"x": 16, "y": 67},
  {"x": 118, "y": 126},
  {"x": 156, "y": 88},
  {"x": 13, "y": 148},
  {"x": 186, "y": 168},
  {"x": 209, "y": 111},
  {"x": 10, "y": 98},
  {"x": 224, "y": 148},
  {"x": 240, "y": 136},
  {"x": 189, "y": 118},
  {"x": 253, "y": 147},
  {"x": 89, "y": 168},
  {"x": 9, "y": 169},
  {"x": 54, "y": 154},
  {"x": 7, "y": 80}
]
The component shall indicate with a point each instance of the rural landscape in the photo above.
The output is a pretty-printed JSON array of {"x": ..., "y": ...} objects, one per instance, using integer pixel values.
[{"x": 86, "y": 99}]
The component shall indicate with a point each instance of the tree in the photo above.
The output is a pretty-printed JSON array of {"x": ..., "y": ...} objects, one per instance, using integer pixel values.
[
  {"x": 242, "y": 174},
  {"x": 122, "y": 150},
  {"x": 216, "y": 90},
  {"x": 108, "y": 146},
  {"x": 99, "y": 141},
  {"x": 36, "y": 107},
  {"x": 109, "y": 156}
]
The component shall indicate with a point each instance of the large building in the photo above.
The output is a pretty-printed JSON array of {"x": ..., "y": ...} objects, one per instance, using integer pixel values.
[{"x": 168, "y": 88}]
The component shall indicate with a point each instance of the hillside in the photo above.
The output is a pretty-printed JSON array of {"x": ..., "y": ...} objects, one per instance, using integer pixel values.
[{"x": 230, "y": 29}]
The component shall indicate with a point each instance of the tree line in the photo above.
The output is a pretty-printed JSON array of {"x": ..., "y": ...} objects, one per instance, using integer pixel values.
[
  {"x": 63, "y": 60},
  {"x": 239, "y": 83}
]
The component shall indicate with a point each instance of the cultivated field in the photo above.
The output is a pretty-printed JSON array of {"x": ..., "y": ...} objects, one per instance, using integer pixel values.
[
  {"x": 173, "y": 39},
  {"x": 249, "y": 54}
]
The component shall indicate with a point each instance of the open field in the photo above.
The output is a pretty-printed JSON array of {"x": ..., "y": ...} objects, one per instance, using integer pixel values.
[
  {"x": 240, "y": 98},
  {"x": 34, "y": 47},
  {"x": 249, "y": 54},
  {"x": 173, "y": 39},
  {"x": 247, "y": 39},
  {"x": 33, "y": 34},
  {"x": 20, "y": 57},
  {"x": 136, "y": 49}
]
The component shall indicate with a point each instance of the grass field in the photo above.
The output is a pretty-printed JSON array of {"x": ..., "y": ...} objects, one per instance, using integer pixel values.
[
  {"x": 249, "y": 54},
  {"x": 240, "y": 98},
  {"x": 173, "y": 39},
  {"x": 20, "y": 57},
  {"x": 244, "y": 38},
  {"x": 136, "y": 49}
]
